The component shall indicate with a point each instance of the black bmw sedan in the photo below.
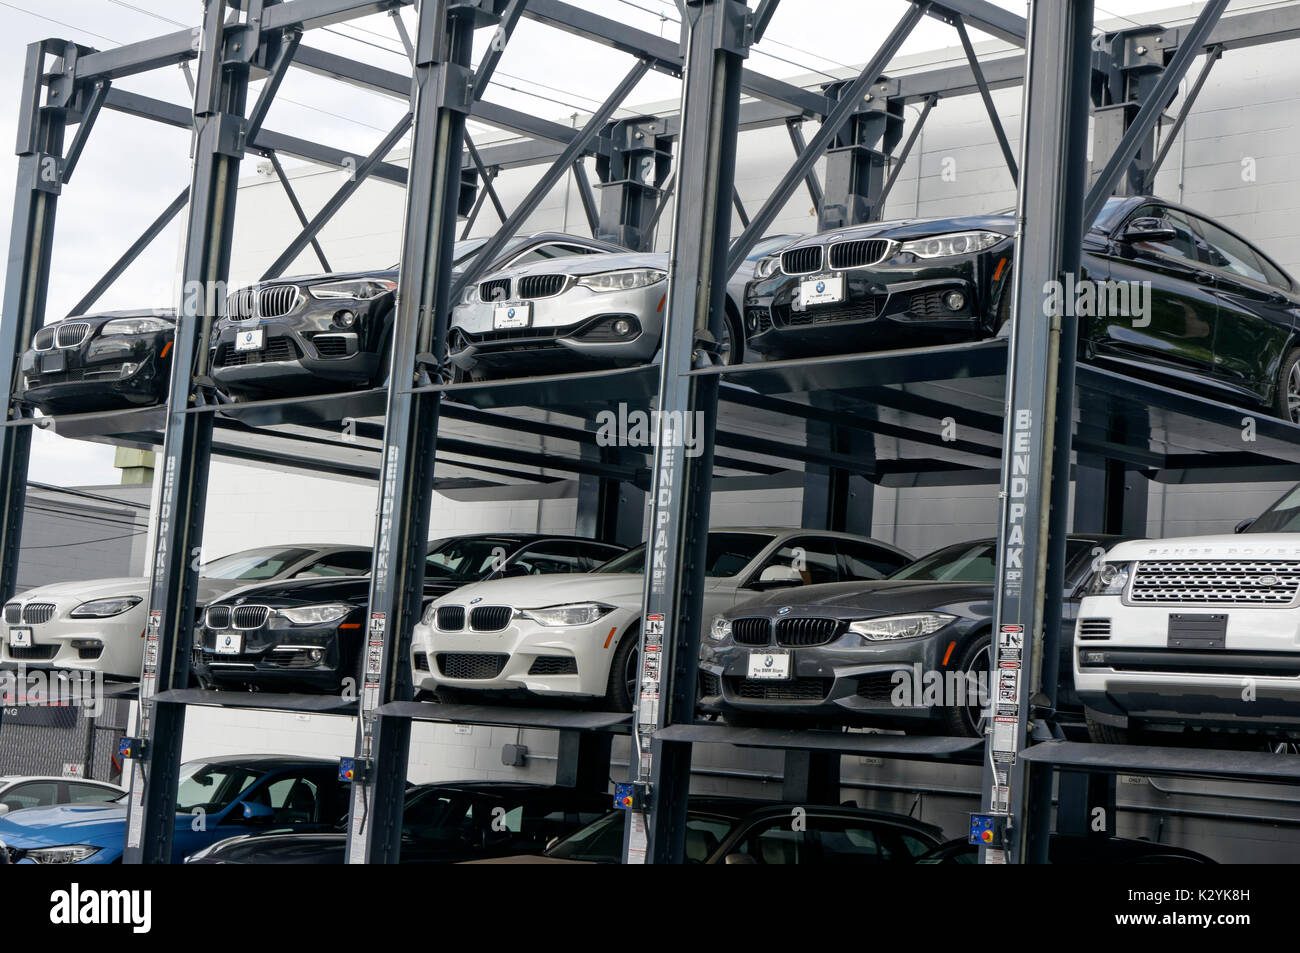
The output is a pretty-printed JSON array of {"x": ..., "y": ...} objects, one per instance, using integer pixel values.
[
  {"x": 307, "y": 634},
  {"x": 318, "y": 333},
  {"x": 911, "y": 651},
  {"x": 1164, "y": 291},
  {"x": 101, "y": 361}
]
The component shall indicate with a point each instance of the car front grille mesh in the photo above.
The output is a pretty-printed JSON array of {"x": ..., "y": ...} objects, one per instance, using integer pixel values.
[
  {"x": 71, "y": 333},
  {"x": 471, "y": 664},
  {"x": 249, "y": 617},
  {"x": 35, "y": 653},
  {"x": 795, "y": 689},
  {"x": 272, "y": 302},
  {"x": 13, "y": 613},
  {"x": 1246, "y": 582},
  {"x": 451, "y": 618},
  {"x": 751, "y": 631},
  {"x": 541, "y": 286},
  {"x": 218, "y": 617},
  {"x": 863, "y": 310},
  {"x": 34, "y": 613},
  {"x": 44, "y": 339},
  {"x": 858, "y": 254},
  {"x": 498, "y": 289},
  {"x": 801, "y": 261},
  {"x": 795, "y": 632},
  {"x": 1094, "y": 628},
  {"x": 489, "y": 618},
  {"x": 554, "y": 665},
  {"x": 277, "y": 349}
]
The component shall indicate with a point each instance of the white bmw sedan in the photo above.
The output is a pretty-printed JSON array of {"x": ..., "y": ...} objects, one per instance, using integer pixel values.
[
  {"x": 577, "y": 634},
  {"x": 99, "y": 625}
]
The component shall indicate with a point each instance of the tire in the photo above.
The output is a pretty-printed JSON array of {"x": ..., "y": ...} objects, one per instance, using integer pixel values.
[
  {"x": 735, "y": 353},
  {"x": 1286, "y": 396},
  {"x": 964, "y": 721},
  {"x": 619, "y": 694},
  {"x": 1102, "y": 734},
  {"x": 1004, "y": 304}
]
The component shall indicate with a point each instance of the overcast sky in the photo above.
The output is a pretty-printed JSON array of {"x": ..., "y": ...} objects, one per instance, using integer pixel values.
[{"x": 132, "y": 168}]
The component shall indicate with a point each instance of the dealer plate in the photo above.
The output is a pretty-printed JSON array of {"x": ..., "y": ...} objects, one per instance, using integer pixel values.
[
  {"x": 828, "y": 289},
  {"x": 229, "y": 643},
  {"x": 20, "y": 638},
  {"x": 508, "y": 316},
  {"x": 251, "y": 340},
  {"x": 771, "y": 665}
]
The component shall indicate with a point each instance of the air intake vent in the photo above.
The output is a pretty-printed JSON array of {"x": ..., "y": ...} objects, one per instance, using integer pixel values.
[
  {"x": 792, "y": 632},
  {"x": 858, "y": 254},
  {"x": 751, "y": 631},
  {"x": 331, "y": 345},
  {"x": 554, "y": 665},
  {"x": 471, "y": 664},
  {"x": 218, "y": 617},
  {"x": 34, "y": 613},
  {"x": 796, "y": 689},
  {"x": 541, "y": 286},
  {"x": 489, "y": 618},
  {"x": 451, "y": 618},
  {"x": 249, "y": 617},
  {"x": 801, "y": 261},
  {"x": 1094, "y": 628},
  {"x": 498, "y": 289}
]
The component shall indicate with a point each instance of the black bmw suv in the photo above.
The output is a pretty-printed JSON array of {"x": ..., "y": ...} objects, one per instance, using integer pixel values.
[
  {"x": 307, "y": 634},
  {"x": 1185, "y": 299}
]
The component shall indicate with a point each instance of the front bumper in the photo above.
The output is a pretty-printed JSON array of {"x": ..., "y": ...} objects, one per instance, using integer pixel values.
[
  {"x": 1252, "y": 683},
  {"x": 66, "y": 643},
  {"x": 318, "y": 658},
  {"x": 885, "y": 306},
  {"x": 570, "y": 331},
  {"x": 877, "y": 683},
  {"x": 118, "y": 371},
  {"x": 522, "y": 657},
  {"x": 306, "y": 351}
]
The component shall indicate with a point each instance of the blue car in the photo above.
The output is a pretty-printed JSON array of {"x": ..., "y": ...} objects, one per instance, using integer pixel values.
[{"x": 216, "y": 798}]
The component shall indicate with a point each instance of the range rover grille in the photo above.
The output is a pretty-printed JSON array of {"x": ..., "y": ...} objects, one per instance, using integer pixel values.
[{"x": 1244, "y": 582}]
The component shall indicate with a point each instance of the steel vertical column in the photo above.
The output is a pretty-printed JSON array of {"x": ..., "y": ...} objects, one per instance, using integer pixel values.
[
  {"x": 39, "y": 148},
  {"x": 221, "y": 91},
  {"x": 442, "y": 95},
  {"x": 717, "y": 35},
  {"x": 1040, "y": 394}
]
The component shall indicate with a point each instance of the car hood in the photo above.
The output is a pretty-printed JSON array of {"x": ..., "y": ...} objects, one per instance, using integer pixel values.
[
  {"x": 622, "y": 590},
  {"x": 867, "y": 600},
  {"x": 301, "y": 592},
  {"x": 87, "y": 590},
  {"x": 98, "y": 825},
  {"x": 377, "y": 273},
  {"x": 587, "y": 264},
  {"x": 1228, "y": 546},
  {"x": 909, "y": 228}
]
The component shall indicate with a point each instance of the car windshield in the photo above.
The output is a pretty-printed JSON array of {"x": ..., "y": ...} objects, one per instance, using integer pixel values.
[
  {"x": 252, "y": 564},
  {"x": 964, "y": 562},
  {"x": 728, "y": 555},
  {"x": 466, "y": 559},
  {"x": 1282, "y": 517},
  {"x": 211, "y": 787}
]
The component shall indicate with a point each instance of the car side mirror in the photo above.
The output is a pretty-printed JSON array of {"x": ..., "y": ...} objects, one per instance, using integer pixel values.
[
  {"x": 739, "y": 859},
  {"x": 4, "y": 809},
  {"x": 1148, "y": 230},
  {"x": 774, "y": 577},
  {"x": 257, "y": 813},
  {"x": 1244, "y": 525}
]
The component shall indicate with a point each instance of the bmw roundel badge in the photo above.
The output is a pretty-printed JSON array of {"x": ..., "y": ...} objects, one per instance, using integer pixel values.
[
  {"x": 821, "y": 286},
  {"x": 476, "y": 600},
  {"x": 783, "y": 610}
]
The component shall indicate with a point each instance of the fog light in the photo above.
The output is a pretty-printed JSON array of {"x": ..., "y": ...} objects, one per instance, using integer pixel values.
[
  {"x": 87, "y": 644},
  {"x": 129, "y": 369},
  {"x": 622, "y": 327},
  {"x": 955, "y": 300},
  {"x": 751, "y": 322},
  {"x": 345, "y": 319},
  {"x": 315, "y": 655}
]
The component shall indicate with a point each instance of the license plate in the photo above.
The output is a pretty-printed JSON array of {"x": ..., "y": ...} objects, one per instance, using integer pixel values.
[
  {"x": 229, "y": 643},
  {"x": 512, "y": 316},
  {"x": 773, "y": 665},
  {"x": 826, "y": 290},
  {"x": 250, "y": 340},
  {"x": 20, "y": 638},
  {"x": 1197, "y": 630},
  {"x": 54, "y": 363}
]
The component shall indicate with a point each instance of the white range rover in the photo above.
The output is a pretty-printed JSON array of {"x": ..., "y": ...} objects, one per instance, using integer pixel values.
[{"x": 1201, "y": 632}]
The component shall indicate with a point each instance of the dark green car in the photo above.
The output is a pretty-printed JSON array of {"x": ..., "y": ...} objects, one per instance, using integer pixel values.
[{"x": 1163, "y": 290}]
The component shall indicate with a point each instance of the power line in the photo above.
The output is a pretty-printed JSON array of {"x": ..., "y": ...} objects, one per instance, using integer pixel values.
[
  {"x": 42, "y": 16},
  {"x": 149, "y": 13}
]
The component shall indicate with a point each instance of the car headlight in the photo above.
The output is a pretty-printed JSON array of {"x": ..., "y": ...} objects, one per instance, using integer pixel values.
[
  {"x": 134, "y": 326},
  {"x": 721, "y": 629},
  {"x": 315, "y": 615},
  {"x": 69, "y": 854},
  {"x": 469, "y": 295},
  {"x": 429, "y": 613},
  {"x": 579, "y": 613},
  {"x": 954, "y": 243},
  {"x": 910, "y": 626},
  {"x": 104, "y": 608},
  {"x": 767, "y": 267},
  {"x": 1110, "y": 580},
  {"x": 622, "y": 280},
  {"x": 362, "y": 289}
]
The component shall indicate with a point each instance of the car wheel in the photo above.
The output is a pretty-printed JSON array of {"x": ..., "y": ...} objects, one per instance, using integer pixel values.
[
  {"x": 731, "y": 349},
  {"x": 1103, "y": 734},
  {"x": 976, "y": 663},
  {"x": 1004, "y": 304},
  {"x": 1286, "y": 401},
  {"x": 620, "y": 693}
]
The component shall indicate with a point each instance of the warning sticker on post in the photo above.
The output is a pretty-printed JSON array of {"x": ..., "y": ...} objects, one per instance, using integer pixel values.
[
  {"x": 1005, "y": 743},
  {"x": 638, "y": 839}
]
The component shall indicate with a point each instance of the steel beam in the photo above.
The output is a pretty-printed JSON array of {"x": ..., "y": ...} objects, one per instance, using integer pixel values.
[
  {"x": 834, "y": 121},
  {"x": 303, "y": 220},
  {"x": 1040, "y": 394},
  {"x": 999, "y": 133},
  {"x": 717, "y": 41},
  {"x": 1212, "y": 55},
  {"x": 587, "y": 196},
  {"x": 795, "y": 128},
  {"x": 901, "y": 159},
  {"x": 221, "y": 91},
  {"x": 444, "y": 40}
]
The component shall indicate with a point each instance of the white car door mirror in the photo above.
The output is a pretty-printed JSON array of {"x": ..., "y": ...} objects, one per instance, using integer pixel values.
[{"x": 776, "y": 576}]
